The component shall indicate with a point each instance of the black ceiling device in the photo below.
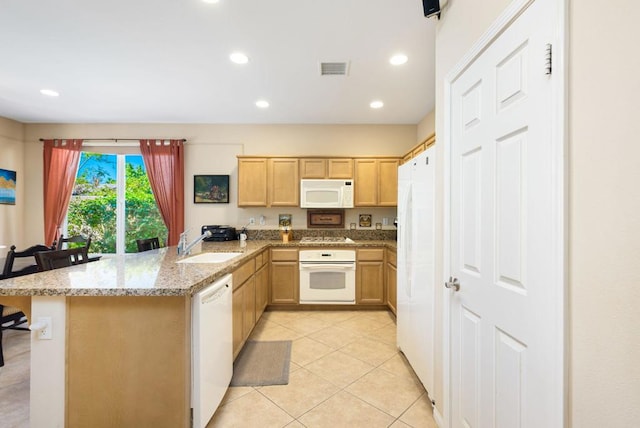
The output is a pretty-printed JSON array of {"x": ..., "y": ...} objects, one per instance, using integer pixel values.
[{"x": 431, "y": 7}]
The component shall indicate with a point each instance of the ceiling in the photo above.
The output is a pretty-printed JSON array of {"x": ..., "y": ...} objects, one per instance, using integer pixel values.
[{"x": 167, "y": 61}]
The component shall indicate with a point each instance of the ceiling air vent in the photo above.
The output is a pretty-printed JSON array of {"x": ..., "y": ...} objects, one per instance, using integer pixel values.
[{"x": 334, "y": 68}]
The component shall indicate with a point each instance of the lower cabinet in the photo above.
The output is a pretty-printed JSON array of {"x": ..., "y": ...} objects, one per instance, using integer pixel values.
[
  {"x": 272, "y": 278},
  {"x": 250, "y": 297},
  {"x": 370, "y": 276},
  {"x": 284, "y": 276},
  {"x": 262, "y": 284},
  {"x": 248, "y": 307},
  {"x": 392, "y": 281},
  {"x": 238, "y": 319},
  {"x": 244, "y": 304}
]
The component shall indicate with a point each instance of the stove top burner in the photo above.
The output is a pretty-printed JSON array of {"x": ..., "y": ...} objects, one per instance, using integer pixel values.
[{"x": 324, "y": 239}]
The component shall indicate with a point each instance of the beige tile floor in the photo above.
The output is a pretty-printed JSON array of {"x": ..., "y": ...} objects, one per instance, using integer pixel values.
[{"x": 345, "y": 372}]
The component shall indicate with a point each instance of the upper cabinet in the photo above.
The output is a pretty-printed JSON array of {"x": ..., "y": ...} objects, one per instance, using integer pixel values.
[
  {"x": 326, "y": 168},
  {"x": 421, "y": 147},
  {"x": 284, "y": 182},
  {"x": 275, "y": 181},
  {"x": 252, "y": 182},
  {"x": 268, "y": 182},
  {"x": 376, "y": 182}
]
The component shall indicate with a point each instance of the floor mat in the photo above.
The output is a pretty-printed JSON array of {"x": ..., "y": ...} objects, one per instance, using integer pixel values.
[{"x": 262, "y": 363}]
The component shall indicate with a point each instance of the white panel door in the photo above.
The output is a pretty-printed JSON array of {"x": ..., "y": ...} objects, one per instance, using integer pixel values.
[{"x": 503, "y": 328}]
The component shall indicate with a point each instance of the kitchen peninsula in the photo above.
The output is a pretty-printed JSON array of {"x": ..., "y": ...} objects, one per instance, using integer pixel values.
[{"x": 121, "y": 349}]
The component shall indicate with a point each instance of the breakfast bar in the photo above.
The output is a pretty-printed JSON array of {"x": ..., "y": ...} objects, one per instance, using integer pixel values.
[
  {"x": 120, "y": 352},
  {"x": 122, "y": 325}
]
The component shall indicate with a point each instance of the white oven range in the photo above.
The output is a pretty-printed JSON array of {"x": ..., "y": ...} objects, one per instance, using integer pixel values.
[{"x": 327, "y": 276}]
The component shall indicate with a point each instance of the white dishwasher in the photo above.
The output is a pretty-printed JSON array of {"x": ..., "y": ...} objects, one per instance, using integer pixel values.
[{"x": 212, "y": 348}]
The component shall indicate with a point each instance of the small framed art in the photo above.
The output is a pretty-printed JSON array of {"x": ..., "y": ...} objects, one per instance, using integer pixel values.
[
  {"x": 365, "y": 220},
  {"x": 7, "y": 187},
  {"x": 211, "y": 189}
]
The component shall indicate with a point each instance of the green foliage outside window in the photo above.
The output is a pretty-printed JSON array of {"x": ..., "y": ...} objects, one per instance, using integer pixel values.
[{"x": 92, "y": 210}]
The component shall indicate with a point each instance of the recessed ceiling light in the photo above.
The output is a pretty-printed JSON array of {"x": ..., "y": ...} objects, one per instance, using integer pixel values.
[
  {"x": 49, "y": 92},
  {"x": 211, "y": 1},
  {"x": 262, "y": 104},
  {"x": 398, "y": 59},
  {"x": 376, "y": 104},
  {"x": 239, "y": 58}
]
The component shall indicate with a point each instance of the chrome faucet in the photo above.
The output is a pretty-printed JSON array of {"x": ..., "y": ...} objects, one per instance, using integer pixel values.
[
  {"x": 184, "y": 248},
  {"x": 182, "y": 242}
]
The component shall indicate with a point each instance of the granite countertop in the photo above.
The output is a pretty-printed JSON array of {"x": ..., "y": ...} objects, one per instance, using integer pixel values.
[{"x": 150, "y": 273}]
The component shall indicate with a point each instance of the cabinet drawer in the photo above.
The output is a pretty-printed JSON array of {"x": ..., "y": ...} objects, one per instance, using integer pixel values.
[
  {"x": 367, "y": 254},
  {"x": 243, "y": 273},
  {"x": 284, "y": 255}
]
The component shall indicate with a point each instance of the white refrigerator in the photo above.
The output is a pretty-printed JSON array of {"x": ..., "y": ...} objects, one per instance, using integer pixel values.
[{"x": 416, "y": 263}]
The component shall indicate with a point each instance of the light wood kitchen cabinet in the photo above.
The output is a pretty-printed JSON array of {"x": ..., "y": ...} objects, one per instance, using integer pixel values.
[
  {"x": 262, "y": 283},
  {"x": 252, "y": 182},
  {"x": 313, "y": 168},
  {"x": 237, "y": 319},
  {"x": 243, "y": 304},
  {"x": 326, "y": 168},
  {"x": 136, "y": 344},
  {"x": 419, "y": 148},
  {"x": 340, "y": 168},
  {"x": 370, "y": 276},
  {"x": 284, "y": 276},
  {"x": 249, "y": 307},
  {"x": 284, "y": 182},
  {"x": 366, "y": 182},
  {"x": 388, "y": 182},
  {"x": 266, "y": 182},
  {"x": 376, "y": 182},
  {"x": 392, "y": 280}
]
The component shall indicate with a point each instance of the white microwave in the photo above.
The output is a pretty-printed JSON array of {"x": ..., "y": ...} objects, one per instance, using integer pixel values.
[{"x": 326, "y": 194}]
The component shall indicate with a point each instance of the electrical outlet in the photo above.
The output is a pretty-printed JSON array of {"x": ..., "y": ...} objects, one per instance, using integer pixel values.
[
  {"x": 385, "y": 221},
  {"x": 45, "y": 333},
  {"x": 252, "y": 220},
  {"x": 263, "y": 220}
]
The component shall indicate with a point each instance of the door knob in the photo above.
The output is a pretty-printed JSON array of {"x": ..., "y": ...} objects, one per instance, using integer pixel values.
[{"x": 453, "y": 283}]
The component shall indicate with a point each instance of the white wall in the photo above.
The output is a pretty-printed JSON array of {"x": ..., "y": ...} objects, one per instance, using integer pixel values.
[
  {"x": 604, "y": 200},
  {"x": 604, "y": 226},
  {"x": 426, "y": 127},
  {"x": 212, "y": 149},
  {"x": 12, "y": 158}
]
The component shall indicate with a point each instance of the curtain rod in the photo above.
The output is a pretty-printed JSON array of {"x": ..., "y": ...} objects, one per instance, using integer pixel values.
[{"x": 116, "y": 139}]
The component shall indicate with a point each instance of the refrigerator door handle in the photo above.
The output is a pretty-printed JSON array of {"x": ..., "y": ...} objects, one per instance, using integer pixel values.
[{"x": 404, "y": 226}]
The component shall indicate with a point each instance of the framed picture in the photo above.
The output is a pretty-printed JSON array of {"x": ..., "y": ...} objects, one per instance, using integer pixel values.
[
  {"x": 284, "y": 220},
  {"x": 210, "y": 189},
  {"x": 365, "y": 220},
  {"x": 7, "y": 187}
]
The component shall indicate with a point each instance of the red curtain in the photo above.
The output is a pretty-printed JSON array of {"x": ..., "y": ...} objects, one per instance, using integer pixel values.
[
  {"x": 165, "y": 167},
  {"x": 60, "y": 167}
]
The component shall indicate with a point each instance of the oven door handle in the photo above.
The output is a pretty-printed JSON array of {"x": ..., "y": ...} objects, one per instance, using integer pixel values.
[{"x": 327, "y": 266}]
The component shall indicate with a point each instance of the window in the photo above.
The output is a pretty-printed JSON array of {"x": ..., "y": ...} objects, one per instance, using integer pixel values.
[{"x": 112, "y": 201}]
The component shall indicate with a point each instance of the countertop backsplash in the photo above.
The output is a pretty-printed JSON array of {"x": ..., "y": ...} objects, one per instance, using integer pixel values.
[{"x": 356, "y": 235}]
